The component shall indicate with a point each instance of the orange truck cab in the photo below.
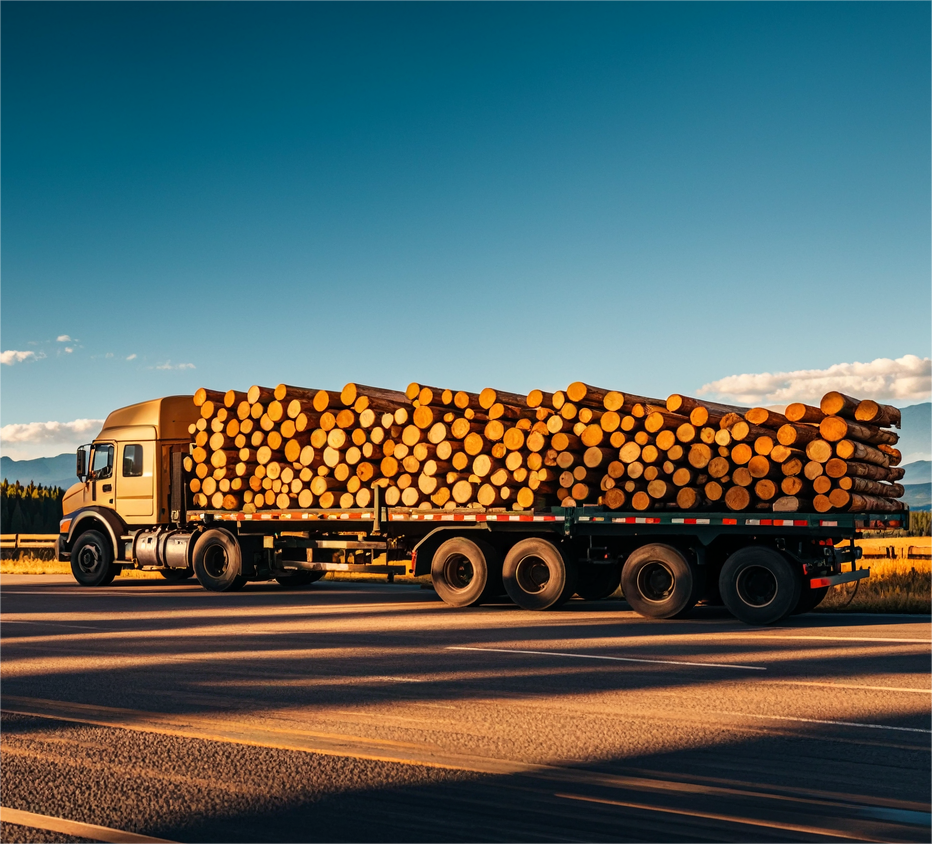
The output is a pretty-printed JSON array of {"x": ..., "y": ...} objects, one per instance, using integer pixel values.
[{"x": 125, "y": 485}]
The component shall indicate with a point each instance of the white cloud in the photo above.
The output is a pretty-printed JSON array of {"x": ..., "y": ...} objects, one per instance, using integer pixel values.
[
  {"x": 68, "y": 350},
  {"x": 24, "y": 441},
  {"x": 169, "y": 365},
  {"x": 108, "y": 355},
  {"x": 132, "y": 356},
  {"x": 906, "y": 379},
  {"x": 63, "y": 338},
  {"x": 10, "y": 357}
]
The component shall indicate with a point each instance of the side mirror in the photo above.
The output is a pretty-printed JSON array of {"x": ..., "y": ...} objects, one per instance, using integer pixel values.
[{"x": 82, "y": 464}]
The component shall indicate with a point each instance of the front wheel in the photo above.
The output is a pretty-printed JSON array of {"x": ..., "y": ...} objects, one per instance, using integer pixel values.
[
  {"x": 218, "y": 562},
  {"x": 537, "y": 576},
  {"x": 759, "y": 585},
  {"x": 92, "y": 560},
  {"x": 659, "y": 582}
]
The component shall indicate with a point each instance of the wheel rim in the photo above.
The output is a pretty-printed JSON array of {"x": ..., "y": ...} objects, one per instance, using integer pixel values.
[
  {"x": 458, "y": 572},
  {"x": 757, "y": 586},
  {"x": 656, "y": 582},
  {"x": 532, "y": 574},
  {"x": 215, "y": 561},
  {"x": 89, "y": 560}
]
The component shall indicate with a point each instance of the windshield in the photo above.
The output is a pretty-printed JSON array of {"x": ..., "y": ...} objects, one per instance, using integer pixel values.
[{"x": 102, "y": 461}]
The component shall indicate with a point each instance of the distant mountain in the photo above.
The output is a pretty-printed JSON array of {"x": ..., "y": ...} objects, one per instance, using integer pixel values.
[
  {"x": 919, "y": 472},
  {"x": 48, "y": 471},
  {"x": 918, "y": 496},
  {"x": 916, "y": 434}
]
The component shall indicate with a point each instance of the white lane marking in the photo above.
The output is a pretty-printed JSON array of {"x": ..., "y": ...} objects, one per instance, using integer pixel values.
[
  {"x": 613, "y": 658},
  {"x": 830, "y": 723},
  {"x": 76, "y": 828},
  {"x": 844, "y": 639},
  {"x": 852, "y": 686}
]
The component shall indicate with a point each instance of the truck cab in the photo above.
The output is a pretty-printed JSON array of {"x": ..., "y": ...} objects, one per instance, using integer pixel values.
[{"x": 124, "y": 486}]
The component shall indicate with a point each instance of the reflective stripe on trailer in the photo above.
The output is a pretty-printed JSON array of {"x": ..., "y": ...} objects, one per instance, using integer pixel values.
[
  {"x": 468, "y": 517},
  {"x": 778, "y": 522},
  {"x": 636, "y": 520},
  {"x": 283, "y": 516},
  {"x": 691, "y": 521}
]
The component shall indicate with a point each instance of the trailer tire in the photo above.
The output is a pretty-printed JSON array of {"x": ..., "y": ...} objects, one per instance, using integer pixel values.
[
  {"x": 466, "y": 572},
  {"x": 595, "y": 583},
  {"x": 92, "y": 560},
  {"x": 218, "y": 562},
  {"x": 809, "y": 599},
  {"x": 659, "y": 582},
  {"x": 759, "y": 585},
  {"x": 537, "y": 576},
  {"x": 298, "y": 579}
]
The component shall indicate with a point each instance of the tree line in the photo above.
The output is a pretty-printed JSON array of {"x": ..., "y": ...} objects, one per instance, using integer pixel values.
[{"x": 30, "y": 509}]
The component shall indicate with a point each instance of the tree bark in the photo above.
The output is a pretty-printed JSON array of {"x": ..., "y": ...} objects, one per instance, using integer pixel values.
[
  {"x": 835, "y": 428},
  {"x": 882, "y": 415}
]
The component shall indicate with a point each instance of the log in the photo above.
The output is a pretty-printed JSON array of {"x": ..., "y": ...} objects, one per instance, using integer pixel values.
[
  {"x": 742, "y": 476},
  {"x": 865, "y": 503},
  {"x": 260, "y": 395},
  {"x": 882, "y": 415},
  {"x": 838, "y": 404},
  {"x": 791, "y": 504},
  {"x": 595, "y": 456},
  {"x": 203, "y": 395},
  {"x": 378, "y": 397},
  {"x": 232, "y": 399},
  {"x": 713, "y": 491},
  {"x": 699, "y": 455},
  {"x": 763, "y": 445},
  {"x": 837, "y": 468},
  {"x": 490, "y": 396},
  {"x": 798, "y": 435},
  {"x": 688, "y": 498},
  {"x": 822, "y": 485},
  {"x": 760, "y": 467},
  {"x": 580, "y": 393},
  {"x": 868, "y": 487},
  {"x": 820, "y": 451},
  {"x": 744, "y": 430},
  {"x": 537, "y": 398},
  {"x": 737, "y": 498},
  {"x": 894, "y": 455},
  {"x": 765, "y": 418},
  {"x": 793, "y": 485},
  {"x": 614, "y": 499},
  {"x": 765, "y": 489},
  {"x": 659, "y": 419},
  {"x": 835, "y": 428},
  {"x": 813, "y": 470},
  {"x": 851, "y": 450},
  {"x": 798, "y": 412},
  {"x": 677, "y": 403},
  {"x": 741, "y": 454}
]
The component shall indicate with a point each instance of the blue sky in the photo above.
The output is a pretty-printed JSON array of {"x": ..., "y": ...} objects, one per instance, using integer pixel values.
[{"x": 651, "y": 197}]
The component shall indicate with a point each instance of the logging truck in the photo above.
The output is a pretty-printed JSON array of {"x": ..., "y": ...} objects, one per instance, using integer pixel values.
[{"x": 132, "y": 508}]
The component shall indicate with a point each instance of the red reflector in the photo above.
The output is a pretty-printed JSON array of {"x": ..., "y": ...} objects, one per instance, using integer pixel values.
[
  {"x": 729, "y": 521},
  {"x": 818, "y": 582}
]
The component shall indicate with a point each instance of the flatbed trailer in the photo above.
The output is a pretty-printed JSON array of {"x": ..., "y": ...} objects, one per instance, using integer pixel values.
[{"x": 763, "y": 567}]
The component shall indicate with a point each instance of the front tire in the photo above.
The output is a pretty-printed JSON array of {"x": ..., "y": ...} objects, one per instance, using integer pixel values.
[
  {"x": 537, "y": 576},
  {"x": 92, "y": 560},
  {"x": 759, "y": 585},
  {"x": 659, "y": 582},
  {"x": 218, "y": 562},
  {"x": 466, "y": 572}
]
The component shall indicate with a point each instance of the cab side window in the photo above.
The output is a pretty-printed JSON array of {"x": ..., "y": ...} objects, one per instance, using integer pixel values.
[
  {"x": 103, "y": 461},
  {"x": 132, "y": 461}
]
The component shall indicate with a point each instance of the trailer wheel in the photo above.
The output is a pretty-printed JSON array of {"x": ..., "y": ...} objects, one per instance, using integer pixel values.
[
  {"x": 759, "y": 585},
  {"x": 218, "y": 562},
  {"x": 809, "y": 599},
  {"x": 594, "y": 583},
  {"x": 298, "y": 579},
  {"x": 92, "y": 560},
  {"x": 537, "y": 576},
  {"x": 176, "y": 574},
  {"x": 466, "y": 572},
  {"x": 659, "y": 582}
]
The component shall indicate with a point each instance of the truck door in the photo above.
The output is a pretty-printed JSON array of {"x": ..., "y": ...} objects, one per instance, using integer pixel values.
[
  {"x": 100, "y": 479},
  {"x": 136, "y": 481}
]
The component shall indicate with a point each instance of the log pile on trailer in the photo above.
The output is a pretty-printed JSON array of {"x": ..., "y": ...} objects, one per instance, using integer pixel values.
[{"x": 434, "y": 448}]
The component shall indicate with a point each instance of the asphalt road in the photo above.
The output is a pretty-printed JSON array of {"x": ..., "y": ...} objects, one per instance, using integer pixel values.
[{"x": 361, "y": 712}]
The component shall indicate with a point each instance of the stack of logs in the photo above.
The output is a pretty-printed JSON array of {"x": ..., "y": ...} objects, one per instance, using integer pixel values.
[{"x": 433, "y": 448}]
